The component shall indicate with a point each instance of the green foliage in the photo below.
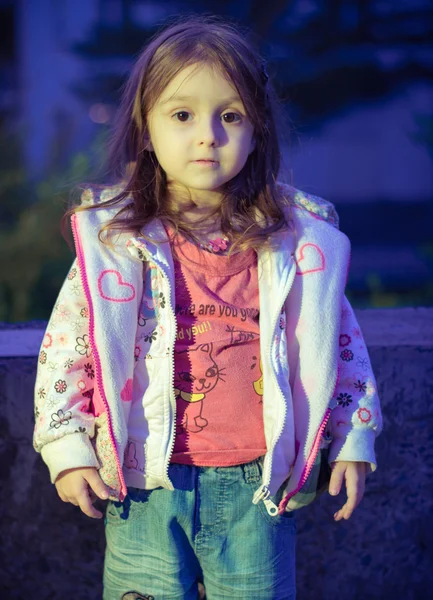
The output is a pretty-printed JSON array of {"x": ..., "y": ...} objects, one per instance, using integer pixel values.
[{"x": 35, "y": 256}]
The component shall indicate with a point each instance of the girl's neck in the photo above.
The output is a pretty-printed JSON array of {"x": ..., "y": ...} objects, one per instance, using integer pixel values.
[
  {"x": 196, "y": 207},
  {"x": 203, "y": 221}
]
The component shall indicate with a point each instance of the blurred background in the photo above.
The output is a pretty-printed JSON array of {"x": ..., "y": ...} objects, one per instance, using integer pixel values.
[{"x": 356, "y": 80}]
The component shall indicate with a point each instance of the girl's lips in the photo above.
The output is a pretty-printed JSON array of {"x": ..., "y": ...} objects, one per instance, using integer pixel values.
[{"x": 206, "y": 162}]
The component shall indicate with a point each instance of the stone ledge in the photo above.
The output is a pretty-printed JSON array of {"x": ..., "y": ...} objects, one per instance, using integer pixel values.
[
  {"x": 396, "y": 326},
  {"x": 51, "y": 550},
  {"x": 381, "y": 327}
]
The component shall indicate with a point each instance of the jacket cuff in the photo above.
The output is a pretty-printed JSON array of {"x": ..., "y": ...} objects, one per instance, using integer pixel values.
[
  {"x": 357, "y": 446},
  {"x": 69, "y": 452}
]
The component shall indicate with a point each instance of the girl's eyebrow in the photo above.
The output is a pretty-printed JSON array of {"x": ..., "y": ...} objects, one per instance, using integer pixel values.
[{"x": 185, "y": 98}]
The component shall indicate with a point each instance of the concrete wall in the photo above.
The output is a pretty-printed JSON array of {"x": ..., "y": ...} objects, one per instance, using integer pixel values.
[{"x": 51, "y": 550}]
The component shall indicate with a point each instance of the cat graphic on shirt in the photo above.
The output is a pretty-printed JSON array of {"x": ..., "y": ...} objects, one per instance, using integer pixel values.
[{"x": 191, "y": 388}]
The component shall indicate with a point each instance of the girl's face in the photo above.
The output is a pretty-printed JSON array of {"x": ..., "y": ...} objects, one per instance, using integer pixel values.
[{"x": 200, "y": 116}]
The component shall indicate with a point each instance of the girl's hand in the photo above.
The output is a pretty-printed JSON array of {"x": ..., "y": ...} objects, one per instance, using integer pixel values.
[
  {"x": 354, "y": 473},
  {"x": 73, "y": 486}
]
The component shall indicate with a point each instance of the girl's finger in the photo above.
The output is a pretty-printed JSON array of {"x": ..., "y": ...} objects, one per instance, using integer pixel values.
[
  {"x": 96, "y": 484},
  {"x": 355, "y": 485},
  {"x": 87, "y": 507},
  {"x": 336, "y": 481},
  {"x": 345, "y": 512}
]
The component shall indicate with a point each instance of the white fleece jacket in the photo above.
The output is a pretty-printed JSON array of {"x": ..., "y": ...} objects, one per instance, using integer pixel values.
[{"x": 111, "y": 337}]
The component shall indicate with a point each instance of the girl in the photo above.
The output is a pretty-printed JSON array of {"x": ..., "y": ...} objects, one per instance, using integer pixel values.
[{"x": 202, "y": 366}]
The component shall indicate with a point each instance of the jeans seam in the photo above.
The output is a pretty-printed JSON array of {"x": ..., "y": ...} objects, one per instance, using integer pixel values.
[{"x": 216, "y": 528}]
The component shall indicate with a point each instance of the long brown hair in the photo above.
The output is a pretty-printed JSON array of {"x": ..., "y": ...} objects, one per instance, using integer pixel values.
[{"x": 254, "y": 192}]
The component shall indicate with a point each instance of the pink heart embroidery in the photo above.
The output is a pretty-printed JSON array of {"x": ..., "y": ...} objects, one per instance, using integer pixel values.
[
  {"x": 315, "y": 258},
  {"x": 126, "y": 393},
  {"x": 123, "y": 287}
]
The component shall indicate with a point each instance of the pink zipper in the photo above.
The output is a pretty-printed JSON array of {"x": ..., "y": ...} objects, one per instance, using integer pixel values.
[
  {"x": 314, "y": 450},
  {"x": 81, "y": 263},
  {"x": 310, "y": 463}
]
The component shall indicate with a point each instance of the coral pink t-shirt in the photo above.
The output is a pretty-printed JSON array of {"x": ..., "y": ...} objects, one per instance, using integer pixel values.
[{"x": 218, "y": 381}]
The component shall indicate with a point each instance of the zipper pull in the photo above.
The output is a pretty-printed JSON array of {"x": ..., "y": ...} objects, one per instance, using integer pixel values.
[
  {"x": 263, "y": 493},
  {"x": 271, "y": 508}
]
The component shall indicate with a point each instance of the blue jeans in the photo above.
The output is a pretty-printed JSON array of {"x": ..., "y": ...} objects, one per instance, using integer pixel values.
[{"x": 161, "y": 543}]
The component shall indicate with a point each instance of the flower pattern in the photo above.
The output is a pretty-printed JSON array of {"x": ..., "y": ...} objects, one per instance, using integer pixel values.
[
  {"x": 364, "y": 415},
  {"x": 62, "y": 339},
  {"x": 63, "y": 313},
  {"x": 52, "y": 402},
  {"x": 60, "y": 386},
  {"x": 344, "y": 399},
  {"x": 362, "y": 362},
  {"x": 151, "y": 337},
  {"x": 52, "y": 367},
  {"x": 43, "y": 357},
  {"x": 356, "y": 332},
  {"x": 84, "y": 312},
  {"x": 52, "y": 325},
  {"x": 68, "y": 363},
  {"x": 88, "y": 369},
  {"x": 72, "y": 273},
  {"x": 345, "y": 312},
  {"x": 75, "y": 288},
  {"x": 83, "y": 345},
  {"x": 346, "y": 355},
  {"x": 104, "y": 450},
  {"x": 48, "y": 340},
  {"x": 361, "y": 386},
  {"x": 161, "y": 300},
  {"x": 60, "y": 418},
  {"x": 77, "y": 324},
  {"x": 345, "y": 339}
]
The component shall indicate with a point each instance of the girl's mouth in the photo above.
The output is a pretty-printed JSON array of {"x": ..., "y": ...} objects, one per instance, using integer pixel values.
[{"x": 208, "y": 163}]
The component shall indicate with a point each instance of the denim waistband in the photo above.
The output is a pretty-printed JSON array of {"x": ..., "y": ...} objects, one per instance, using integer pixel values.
[{"x": 185, "y": 476}]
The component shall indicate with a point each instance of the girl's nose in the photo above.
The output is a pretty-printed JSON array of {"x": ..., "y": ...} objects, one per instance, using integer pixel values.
[{"x": 208, "y": 133}]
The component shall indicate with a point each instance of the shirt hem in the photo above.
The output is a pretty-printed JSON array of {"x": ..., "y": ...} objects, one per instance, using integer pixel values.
[{"x": 219, "y": 459}]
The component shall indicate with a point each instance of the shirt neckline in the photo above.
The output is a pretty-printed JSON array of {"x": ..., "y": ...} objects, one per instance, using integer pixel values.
[{"x": 213, "y": 264}]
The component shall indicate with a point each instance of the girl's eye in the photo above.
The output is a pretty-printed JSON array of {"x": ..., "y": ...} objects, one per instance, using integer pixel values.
[
  {"x": 182, "y": 119},
  {"x": 181, "y": 112},
  {"x": 233, "y": 115}
]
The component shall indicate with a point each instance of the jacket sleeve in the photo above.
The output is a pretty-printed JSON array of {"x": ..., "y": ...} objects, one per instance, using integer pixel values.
[
  {"x": 64, "y": 419},
  {"x": 356, "y": 419}
]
